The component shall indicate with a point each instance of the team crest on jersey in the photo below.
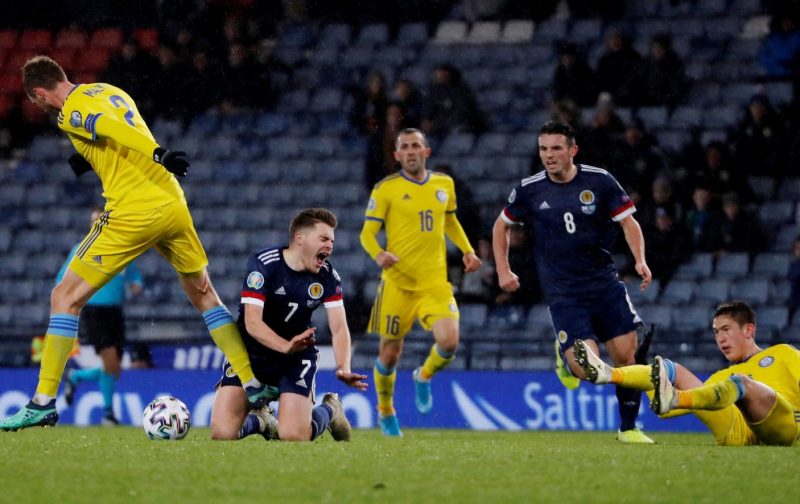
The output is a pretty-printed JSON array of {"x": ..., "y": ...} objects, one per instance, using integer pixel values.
[
  {"x": 75, "y": 119},
  {"x": 441, "y": 196},
  {"x": 315, "y": 290},
  {"x": 766, "y": 361},
  {"x": 562, "y": 337},
  {"x": 371, "y": 205},
  {"x": 587, "y": 197},
  {"x": 255, "y": 280},
  {"x": 512, "y": 196}
]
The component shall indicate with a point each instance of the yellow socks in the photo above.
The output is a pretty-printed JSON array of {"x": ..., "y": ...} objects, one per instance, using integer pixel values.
[
  {"x": 437, "y": 360},
  {"x": 58, "y": 343},
  {"x": 384, "y": 387},
  {"x": 714, "y": 396},
  {"x": 226, "y": 336},
  {"x": 635, "y": 377}
]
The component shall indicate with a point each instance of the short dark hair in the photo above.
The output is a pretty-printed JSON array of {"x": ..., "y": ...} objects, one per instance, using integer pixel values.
[
  {"x": 738, "y": 311},
  {"x": 411, "y": 131},
  {"x": 309, "y": 217},
  {"x": 41, "y": 71},
  {"x": 558, "y": 128}
]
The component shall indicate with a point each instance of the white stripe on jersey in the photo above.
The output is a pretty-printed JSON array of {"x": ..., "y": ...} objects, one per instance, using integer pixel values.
[
  {"x": 333, "y": 304},
  {"x": 270, "y": 256},
  {"x": 594, "y": 169},
  {"x": 253, "y": 301},
  {"x": 624, "y": 214},
  {"x": 533, "y": 178}
]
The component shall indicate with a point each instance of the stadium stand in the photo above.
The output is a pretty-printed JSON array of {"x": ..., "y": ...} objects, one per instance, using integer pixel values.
[{"x": 252, "y": 167}]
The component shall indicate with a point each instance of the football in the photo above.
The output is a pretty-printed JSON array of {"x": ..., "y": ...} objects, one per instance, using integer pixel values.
[{"x": 166, "y": 417}]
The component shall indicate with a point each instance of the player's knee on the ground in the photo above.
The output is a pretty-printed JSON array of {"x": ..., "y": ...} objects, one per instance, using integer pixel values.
[
  {"x": 224, "y": 432},
  {"x": 294, "y": 432}
]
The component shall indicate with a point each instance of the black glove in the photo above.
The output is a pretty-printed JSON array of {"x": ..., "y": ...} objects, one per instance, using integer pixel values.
[
  {"x": 79, "y": 164},
  {"x": 174, "y": 161}
]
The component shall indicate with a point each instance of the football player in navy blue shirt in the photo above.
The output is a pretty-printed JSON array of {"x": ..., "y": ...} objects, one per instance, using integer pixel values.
[
  {"x": 282, "y": 288},
  {"x": 572, "y": 212}
]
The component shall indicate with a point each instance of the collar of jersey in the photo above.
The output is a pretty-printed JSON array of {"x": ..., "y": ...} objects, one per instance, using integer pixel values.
[
  {"x": 577, "y": 166},
  {"x": 418, "y": 182}
]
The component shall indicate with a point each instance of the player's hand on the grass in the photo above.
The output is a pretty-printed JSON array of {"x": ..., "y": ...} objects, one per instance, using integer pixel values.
[
  {"x": 386, "y": 259},
  {"x": 508, "y": 281},
  {"x": 644, "y": 271},
  {"x": 302, "y": 341},
  {"x": 79, "y": 164},
  {"x": 174, "y": 161},
  {"x": 351, "y": 379},
  {"x": 471, "y": 262}
]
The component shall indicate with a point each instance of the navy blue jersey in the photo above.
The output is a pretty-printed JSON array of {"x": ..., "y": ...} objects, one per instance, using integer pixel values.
[
  {"x": 288, "y": 297},
  {"x": 573, "y": 227}
]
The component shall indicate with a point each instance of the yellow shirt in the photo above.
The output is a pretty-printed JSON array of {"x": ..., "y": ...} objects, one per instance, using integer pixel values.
[
  {"x": 105, "y": 127},
  {"x": 417, "y": 217},
  {"x": 777, "y": 366}
]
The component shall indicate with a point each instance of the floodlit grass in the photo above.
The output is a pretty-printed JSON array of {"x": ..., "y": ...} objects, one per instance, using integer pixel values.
[{"x": 69, "y": 464}]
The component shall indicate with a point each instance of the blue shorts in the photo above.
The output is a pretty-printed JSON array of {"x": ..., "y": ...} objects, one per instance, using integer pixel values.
[
  {"x": 600, "y": 316},
  {"x": 290, "y": 373}
]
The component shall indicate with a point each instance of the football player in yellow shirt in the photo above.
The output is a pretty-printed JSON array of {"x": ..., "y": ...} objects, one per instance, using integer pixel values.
[
  {"x": 417, "y": 209},
  {"x": 756, "y": 400},
  {"x": 145, "y": 208}
]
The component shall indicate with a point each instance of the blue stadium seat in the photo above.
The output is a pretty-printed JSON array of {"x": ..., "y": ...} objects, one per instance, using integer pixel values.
[
  {"x": 550, "y": 30},
  {"x": 484, "y": 32},
  {"x": 296, "y": 35},
  {"x": 776, "y": 213},
  {"x": 722, "y": 117},
  {"x": 764, "y": 187},
  {"x": 686, "y": 117},
  {"x": 492, "y": 144},
  {"x": 732, "y": 265},
  {"x": 722, "y": 29},
  {"x": 373, "y": 35},
  {"x": 780, "y": 290},
  {"x": 660, "y": 315},
  {"x": 458, "y": 144},
  {"x": 473, "y": 315},
  {"x": 754, "y": 291},
  {"x": 772, "y": 318},
  {"x": 673, "y": 141},
  {"x": 699, "y": 266},
  {"x": 789, "y": 189},
  {"x": 412, "y": 35},
  {"x": 653, "y": 117},
  {"x": 335, "y": 35},
  {"x": 692, "y": 318},
  {"x": 784, "y": 238},
  {"x": 586, "y": 31},
  {"x": 704, "y": 94},
  {"x": 678, "y": 292},
  {"x": 772, "y": 265},
  {"x": 713, "y": 290},
  {"x": 638, "y": 296}
]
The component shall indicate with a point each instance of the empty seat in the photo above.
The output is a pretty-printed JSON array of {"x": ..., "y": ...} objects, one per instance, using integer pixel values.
[
  {"x": 517, "y": 32},
  {"x": 754, "y": 291},
  {"x": 772, "y": 265},
  {"x": 699, "y": 266},
  {"x": 660, "y": 315},
  {"x": 458, "y": 144},
  {"x": 732, "y": 265},
  {"x": 775, "y": 318},
  {"x": 639, "y": 296},
  {"x": 713, "y": 290},
  {"x": 484, "y": 32},
  {"x": 35, "y": 40},
  {"x": 146, "y": 38},
  {"x": 109, "y": 39},
  {"x": 763, "y": 187},
  {"x": 678, "y": 292},
  {"x": 776, "y": 213},
  {"x": 691, "y": 318},
  {"x": 450, "y": 32},
  {"x": 472, "y": 315},
  {"x": 412, "y": 34},
  {"x": 71, "y": 39},
  {"x": 376, "y": 34}
]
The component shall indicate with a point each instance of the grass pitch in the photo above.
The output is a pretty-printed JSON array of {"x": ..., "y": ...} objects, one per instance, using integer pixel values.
[{"x": 71, "y": 464}]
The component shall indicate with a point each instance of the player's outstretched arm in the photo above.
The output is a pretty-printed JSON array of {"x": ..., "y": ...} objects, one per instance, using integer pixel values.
[
  {"x": 635, "y": 240},
  {"x": 507, "y": 280},
  {"x": 132, "y": 138},
  {"x": 337, "y": 321}
]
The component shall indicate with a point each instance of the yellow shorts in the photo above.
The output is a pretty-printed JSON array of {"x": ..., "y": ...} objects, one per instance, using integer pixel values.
[
  {"x": 395, "y": 309},
  {"x": 118, "y": 237},
  {"x": 781, "y": 427}
]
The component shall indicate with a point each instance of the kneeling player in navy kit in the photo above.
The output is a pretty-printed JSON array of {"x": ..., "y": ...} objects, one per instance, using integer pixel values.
[{"x": 284, "y": 285}]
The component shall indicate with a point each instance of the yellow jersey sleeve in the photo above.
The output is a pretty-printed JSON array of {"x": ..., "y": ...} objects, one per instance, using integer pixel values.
[{"x": 104, "y": 125}]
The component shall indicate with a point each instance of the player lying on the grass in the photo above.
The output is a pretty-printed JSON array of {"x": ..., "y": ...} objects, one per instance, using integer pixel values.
[
  {"x": 282, "y": 289},
  {"x": 756, "y": 400}
]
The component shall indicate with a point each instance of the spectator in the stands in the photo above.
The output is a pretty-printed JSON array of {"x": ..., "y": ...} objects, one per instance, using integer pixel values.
[
  {"x": 245, "y": 86},
  {"x": 369, "y": 107},
  {"x": 719, "y": 174},
  {"x": 450, "y": 105},
  {"x": 135, "y": 71},
  {"x": 668, "y": 244},
  {"x": 661, "y": 197},
  {"x": 380, "y": 160},
  {"x": 206, "y": 76},
  {"x": 617, "y": 66},
  {"x": 780, "y": 47},
  {"x": 739, "y": 229},
  {"x": 637, "y": 161},
  {"x": 661, "y": 77},
  {"x": 170, "y": 100},
  {"x": 758, "y": 140},
  {"x": 703, "y": 222},
  {"x": 794, "y": 276},
  {"x": 601, "y": 139},
  {"x": 406, "y": 93},
  {"x": 573, "y": 78}
]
